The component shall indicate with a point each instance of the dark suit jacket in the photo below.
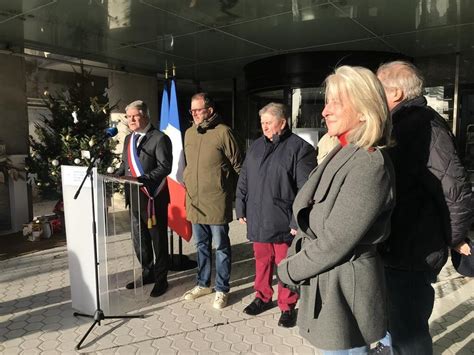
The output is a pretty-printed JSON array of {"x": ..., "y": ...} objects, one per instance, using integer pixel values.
[{"x": 155, "y": 154}]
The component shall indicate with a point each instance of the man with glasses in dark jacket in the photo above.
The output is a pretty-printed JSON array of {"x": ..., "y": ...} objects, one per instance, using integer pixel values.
[{"x": 432, "y": 212}]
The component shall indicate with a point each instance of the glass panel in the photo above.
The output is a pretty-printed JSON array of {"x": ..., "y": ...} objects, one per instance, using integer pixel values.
[{"x": 307, "y": 106}]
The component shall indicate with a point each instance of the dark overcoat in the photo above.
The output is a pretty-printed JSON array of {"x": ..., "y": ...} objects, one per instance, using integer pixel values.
[
  {"x": 342, "y": 212},
  {"x": 272, "y": 174}
]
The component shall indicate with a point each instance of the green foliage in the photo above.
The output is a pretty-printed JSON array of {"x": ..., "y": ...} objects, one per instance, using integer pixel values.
[{"x": 61, "y": 137}]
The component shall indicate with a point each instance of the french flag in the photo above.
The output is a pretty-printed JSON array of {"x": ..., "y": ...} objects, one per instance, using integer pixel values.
[{"x": 169, "y": 124}]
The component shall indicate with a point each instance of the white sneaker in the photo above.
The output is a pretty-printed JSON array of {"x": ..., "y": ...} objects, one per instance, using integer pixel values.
[
  {"x": 221, "y": 300},
  {"x": 196, "y": 292}
]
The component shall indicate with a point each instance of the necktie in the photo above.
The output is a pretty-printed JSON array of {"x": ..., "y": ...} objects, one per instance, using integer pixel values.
[{"x": 138, "y": 139}]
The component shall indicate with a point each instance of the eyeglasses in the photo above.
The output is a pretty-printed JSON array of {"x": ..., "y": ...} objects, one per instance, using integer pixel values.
[{"x": 196, "y": 110}]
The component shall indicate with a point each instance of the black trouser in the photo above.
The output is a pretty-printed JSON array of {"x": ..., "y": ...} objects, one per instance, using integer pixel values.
[
  {"x": 411, "y": 300},
  {"x": 152, "y": 241}
]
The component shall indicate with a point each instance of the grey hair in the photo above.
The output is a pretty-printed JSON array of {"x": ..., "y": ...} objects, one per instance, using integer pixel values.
[
  {"x": 276, "y": 110},
  {"x": 402, "y": 75},
  {"x": 141, "y": 106}
]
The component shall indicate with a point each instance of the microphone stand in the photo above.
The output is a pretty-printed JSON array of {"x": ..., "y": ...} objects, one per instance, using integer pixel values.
[{"x": 98, "y": 315}]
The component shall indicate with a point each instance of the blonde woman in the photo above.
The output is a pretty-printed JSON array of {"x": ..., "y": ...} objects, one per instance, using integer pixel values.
[{"x": 343, "y": 211}]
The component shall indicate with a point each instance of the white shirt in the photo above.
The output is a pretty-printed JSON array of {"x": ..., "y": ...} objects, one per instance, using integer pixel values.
[{"x": 142, "y": 133}]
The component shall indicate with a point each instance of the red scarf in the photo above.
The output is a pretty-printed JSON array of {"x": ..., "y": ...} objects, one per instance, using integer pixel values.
[{"x": 343, "y": 139}]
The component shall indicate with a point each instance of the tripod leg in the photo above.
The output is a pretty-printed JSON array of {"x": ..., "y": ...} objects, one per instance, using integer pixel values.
[{"x": 78, "y": 346}]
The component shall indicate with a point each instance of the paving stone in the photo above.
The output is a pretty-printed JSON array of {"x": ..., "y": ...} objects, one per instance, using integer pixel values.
[
  {"x": 146, "y": 348},
  {"x": 239, "y": 348},
  {"x": 262, "y": 348},
  {"x": 23, "y": 304},
  {"x": 245, "y": 330},
  {"x": 49, "y": 345},
  {"x": 163, "y": 343},
  {"x": 255, "y": 322},
  {"x": 31, "y": 352},
  {"x": 153, "y": 324},
  {"x": 51, "y": 327},
  {"x": 181, "y": 344},
  {"x": 123, "y": 340},
  {"x": 52, "y": 312},
  {"x": 67, "y": 346},
  {"x": 34, "y": 326},
  {"x": 213, "y": 336},
  {"x": 127, "y": 349},
  {"x": 293, "y": 341},
  {"x": 200, "y": 345},
  {"x": 17, "y": 325},
  {"x": 220, "y": 346},
  {"x": 30, "y": 344},
  {"x": 16, "y": 333},
  {"x": 273, "y": 340},
  {"x": 253, "y": 339},
  {"x": 264, "y": 331},
  {"x": 201, "y": 319},
  {"x": 51, "y": 352},
  {"x": 13, "y": 342},
  {"x": 35, "y": 318},
  {"x": 233, "y": 338},
  {"x": 188, "y": 326},
  {"x": 231, "y": 314},
  {"x": 156, "y": 333},
  {"x": 303, "y": 350},
  {"x": 170, "y": 326}
]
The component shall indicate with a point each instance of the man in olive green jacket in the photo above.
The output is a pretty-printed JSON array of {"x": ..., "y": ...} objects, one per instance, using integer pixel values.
[{"x": 213, "y": 161}]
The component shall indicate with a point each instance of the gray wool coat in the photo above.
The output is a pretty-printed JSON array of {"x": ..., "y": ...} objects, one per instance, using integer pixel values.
[{"x": 342, "y": 212}]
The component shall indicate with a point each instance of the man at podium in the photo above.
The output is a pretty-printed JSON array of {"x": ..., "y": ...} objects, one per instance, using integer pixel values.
[{"x": 147, "y": 156}]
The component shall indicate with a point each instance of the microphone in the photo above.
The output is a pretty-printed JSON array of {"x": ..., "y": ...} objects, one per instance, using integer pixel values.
[{"x": 111, "y": 132}]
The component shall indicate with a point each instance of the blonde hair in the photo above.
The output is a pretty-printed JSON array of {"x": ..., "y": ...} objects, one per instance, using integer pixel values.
[
  {"x": 367, "y": 97},
  {"x": 402, "y": 75}
]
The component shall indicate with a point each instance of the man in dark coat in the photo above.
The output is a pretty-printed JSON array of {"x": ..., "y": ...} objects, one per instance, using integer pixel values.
[
  {"x": 432, "y": 210},
  {"x": 276, "y": 166},
  {"x": 154, "y": 157}
]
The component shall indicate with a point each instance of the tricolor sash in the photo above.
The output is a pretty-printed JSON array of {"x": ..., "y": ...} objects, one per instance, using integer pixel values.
[{"x": 136, "y": 170}]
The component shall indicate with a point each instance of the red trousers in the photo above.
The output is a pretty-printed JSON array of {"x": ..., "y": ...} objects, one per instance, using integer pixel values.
[{"x": 266, "y": 256}]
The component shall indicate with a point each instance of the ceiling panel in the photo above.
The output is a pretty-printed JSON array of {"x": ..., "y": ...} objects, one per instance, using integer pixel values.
[
  {"x": 434, "y": 41},
  {"x": 371, "y": 44},
  {"x": 386, "y": 17},
  {"x": 216, "y": 13},
  {"x": 213, "y": 46},
  {"x": 310, "y": 26},
  {"x": 215, "y": 38}
]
